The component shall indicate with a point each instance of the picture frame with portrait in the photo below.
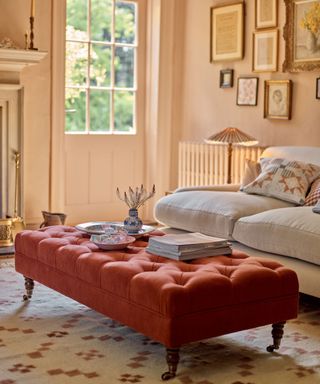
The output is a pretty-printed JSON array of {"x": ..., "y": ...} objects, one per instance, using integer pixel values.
[
  {"x": 301, "y": 32},
  {"x": 227, "y": 32},
  {"x": 277, "y": 99},
  {"x": 247, "y": 91},
  {"x": 318, "y": 88},
  {"x": 266, "y": 14},
  {"x": 265, "y": 51},
  {"x": 226, "y": 78}
]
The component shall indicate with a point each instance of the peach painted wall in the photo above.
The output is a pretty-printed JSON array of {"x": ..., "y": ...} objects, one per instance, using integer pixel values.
[
  {"x": 14, "y": 19},
  {"x": 206, "y": 108}
]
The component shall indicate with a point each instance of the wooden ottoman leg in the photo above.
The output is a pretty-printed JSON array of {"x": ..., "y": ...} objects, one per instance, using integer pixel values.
[
  {"x": 29, "y": 284},
  {"x": 172, "y": 360},
  {"x": 277, "y": 333}
]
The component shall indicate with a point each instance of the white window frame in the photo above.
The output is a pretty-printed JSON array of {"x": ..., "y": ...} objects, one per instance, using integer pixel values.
[{"x": 112, "y": 88}]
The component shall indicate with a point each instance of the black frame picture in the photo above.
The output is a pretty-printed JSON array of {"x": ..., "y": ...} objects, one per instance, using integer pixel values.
[
  {"x": 318, "y": 88},
  {"x": 226, "y": 78}
]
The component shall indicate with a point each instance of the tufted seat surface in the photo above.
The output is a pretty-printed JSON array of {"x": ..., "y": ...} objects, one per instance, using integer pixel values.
[{"x": 170, "y": 301}]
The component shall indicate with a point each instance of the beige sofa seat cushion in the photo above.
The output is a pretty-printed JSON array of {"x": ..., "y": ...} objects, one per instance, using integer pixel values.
[
  {"x": 211, "y": 213},
  {"x": 293, "y": 232}
]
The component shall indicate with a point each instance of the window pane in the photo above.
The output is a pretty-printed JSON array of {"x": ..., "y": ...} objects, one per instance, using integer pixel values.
[
  {"x": 77, "y": 15},
  {"x": 123, "y": 111},
  {"x": 75, "y": 110},
  {"x": 125, "y": 30},
  {"x": 100, "y": 65},
  {"x": 101, "y": 18},
  {"x": 76, "y": 63},
  {"x": 124, "y": 67},
  {"x": 99, "y": 110}
]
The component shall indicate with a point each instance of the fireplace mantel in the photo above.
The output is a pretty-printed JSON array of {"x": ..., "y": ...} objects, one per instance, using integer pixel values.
[{"x": 15, "y": 60}]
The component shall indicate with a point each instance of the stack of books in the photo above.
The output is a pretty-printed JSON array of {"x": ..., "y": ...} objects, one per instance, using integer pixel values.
[{"x": 188, "y": 246}]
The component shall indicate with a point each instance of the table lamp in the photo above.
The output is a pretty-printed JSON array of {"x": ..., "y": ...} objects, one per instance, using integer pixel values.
[{"x": 231, "y": 136}]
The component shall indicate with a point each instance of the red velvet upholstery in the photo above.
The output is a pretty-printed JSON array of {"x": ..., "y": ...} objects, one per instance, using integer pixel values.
[{"x": 171, "y": 302}]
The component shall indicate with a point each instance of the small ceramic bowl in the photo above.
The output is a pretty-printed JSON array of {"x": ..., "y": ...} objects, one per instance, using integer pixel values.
[{"x": 108, "y": 244}]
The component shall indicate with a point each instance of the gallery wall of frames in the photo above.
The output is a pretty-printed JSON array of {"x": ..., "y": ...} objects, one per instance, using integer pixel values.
[{"x": 301, "y": 34}]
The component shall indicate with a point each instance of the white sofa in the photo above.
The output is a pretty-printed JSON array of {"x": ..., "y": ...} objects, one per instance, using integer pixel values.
[{"x": 259, "y": 225}]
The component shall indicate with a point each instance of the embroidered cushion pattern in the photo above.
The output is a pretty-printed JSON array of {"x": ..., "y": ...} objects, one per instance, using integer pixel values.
[
  {"x": 284, "y": 179},
  {"x": 314, "y": 194}
]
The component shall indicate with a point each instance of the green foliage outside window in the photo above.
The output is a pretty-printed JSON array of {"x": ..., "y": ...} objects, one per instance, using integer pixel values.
[{"x": 90, "y": 80}]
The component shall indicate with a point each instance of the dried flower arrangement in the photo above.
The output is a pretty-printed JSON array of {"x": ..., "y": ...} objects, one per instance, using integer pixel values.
[{"x": 135, "y": 198}]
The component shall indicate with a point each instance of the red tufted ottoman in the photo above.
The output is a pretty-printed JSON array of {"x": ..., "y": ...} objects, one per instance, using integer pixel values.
[{"x": 172, "y": 302}]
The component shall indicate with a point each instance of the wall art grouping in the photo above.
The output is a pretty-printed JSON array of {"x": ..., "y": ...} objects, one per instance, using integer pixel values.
[{"x": 302, "y": 49}]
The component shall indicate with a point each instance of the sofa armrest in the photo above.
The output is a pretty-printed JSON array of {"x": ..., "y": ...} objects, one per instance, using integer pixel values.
[{"x": 221, "y": 187}]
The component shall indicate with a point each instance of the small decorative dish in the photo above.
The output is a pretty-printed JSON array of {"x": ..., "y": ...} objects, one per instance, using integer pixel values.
[
  {"x": 104, "y": 242},
  {"x": 100, "y": 227}
]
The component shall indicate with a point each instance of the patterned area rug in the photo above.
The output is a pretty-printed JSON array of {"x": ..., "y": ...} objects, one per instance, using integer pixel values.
[{"x": 53, "y": 339}]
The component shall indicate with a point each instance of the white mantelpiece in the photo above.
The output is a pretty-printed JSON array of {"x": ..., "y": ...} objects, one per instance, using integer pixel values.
[{"x": 14, "y": 60}]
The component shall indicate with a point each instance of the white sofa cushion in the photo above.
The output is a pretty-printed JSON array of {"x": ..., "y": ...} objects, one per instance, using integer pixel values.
[
  {"x": 291, "y": 232},
  {"x": 305, "y": 154},
  {"x": 211, "y": 213}
]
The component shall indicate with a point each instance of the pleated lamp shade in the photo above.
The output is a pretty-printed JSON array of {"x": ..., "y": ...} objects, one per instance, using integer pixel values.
[{"x": 231, "y": 135}]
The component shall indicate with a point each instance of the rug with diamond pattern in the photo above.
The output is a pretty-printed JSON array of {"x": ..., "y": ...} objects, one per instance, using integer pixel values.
[{"x": 53, "y": 339}]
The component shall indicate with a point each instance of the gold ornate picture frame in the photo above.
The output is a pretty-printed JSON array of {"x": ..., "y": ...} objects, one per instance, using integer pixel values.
[
  {"x": 227, "y": 32},
  {"x": 266, "y": 14},
  {"x": 301, "y": 34},
  {"x": 277, "y": 99},
  {"x": 265, "y": 50}
]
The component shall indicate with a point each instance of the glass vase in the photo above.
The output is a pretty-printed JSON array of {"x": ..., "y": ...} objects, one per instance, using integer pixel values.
[{"x": 132, "y": 223}]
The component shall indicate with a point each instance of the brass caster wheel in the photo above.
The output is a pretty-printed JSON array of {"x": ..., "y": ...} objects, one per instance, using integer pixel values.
[
  {"x": 167, "y": 376},
  {"x": 271, "y": 348}
]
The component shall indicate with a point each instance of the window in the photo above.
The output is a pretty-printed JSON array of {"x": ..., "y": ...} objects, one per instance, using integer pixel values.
[{"x": 101, "y": 51}]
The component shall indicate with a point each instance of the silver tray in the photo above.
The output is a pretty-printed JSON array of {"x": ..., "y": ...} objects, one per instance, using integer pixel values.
[{"x": 96, "y": 228}]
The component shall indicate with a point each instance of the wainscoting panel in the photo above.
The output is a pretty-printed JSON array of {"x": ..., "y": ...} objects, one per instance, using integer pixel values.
[{"x": 95, "y": 167}]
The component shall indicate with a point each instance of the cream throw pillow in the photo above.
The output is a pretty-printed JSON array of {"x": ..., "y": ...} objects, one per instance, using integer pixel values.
[
  {"x": 284, "y": 179},
  {"x": 251, "y": 172}
]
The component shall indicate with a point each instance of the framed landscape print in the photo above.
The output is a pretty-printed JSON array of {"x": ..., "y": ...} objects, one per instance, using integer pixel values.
[
  {"x": 265, "y": 51},
  {"x": 226, "y": 78},
  {"x": 227, "y": 32},
  {"x": 247, "y": 92},
  {"x": 277, "y": 99},
  {"x": 318, "y": 88},
  {"x": 266, "y": 13},
  {"x": 301, "y": 34}
]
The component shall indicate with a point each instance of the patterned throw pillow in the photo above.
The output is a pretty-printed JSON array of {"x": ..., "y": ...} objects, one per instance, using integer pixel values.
[
  {"x": 314, "y": 194},
  {"x": 284, "y": 179},
  {"x": 251, "y": 172}
]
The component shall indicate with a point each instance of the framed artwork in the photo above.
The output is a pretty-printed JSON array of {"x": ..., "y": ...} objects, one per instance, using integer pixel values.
[
  {"x": 265, "y": 51},
  {"x": 318, "y": 88},
  {"x": 227, "y": 32},
  {"x": 277, "y": 99},
  {"x": 247, "y": 92},
  {"x": 301, "y": 35},
  {"x": 266, "y": 13},
  {"x": 226, "y": 78}
]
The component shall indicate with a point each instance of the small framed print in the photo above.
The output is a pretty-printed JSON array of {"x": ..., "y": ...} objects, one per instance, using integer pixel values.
[
  {"x": 226, "y": 78},
  {"x": 277, "y": 99},
  {"x": 247, "y": 91},
  {"x": 227, "y": 32},
  {"x": 318, "y": 88},
  {"x": 266, "y": 13},
  {"x": 265, "y": 51}
]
